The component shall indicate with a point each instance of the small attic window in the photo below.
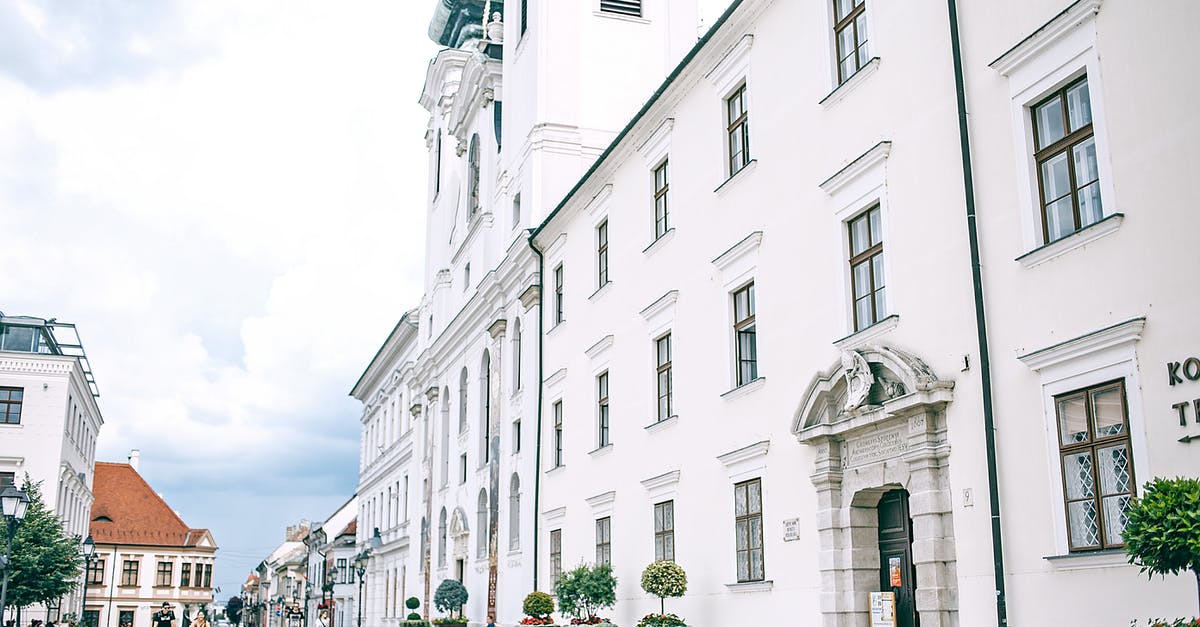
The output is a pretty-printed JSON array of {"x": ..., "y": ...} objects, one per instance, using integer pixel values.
[
  {"x": 102, "y": 519},
  {"x": 631, "y": 8}
]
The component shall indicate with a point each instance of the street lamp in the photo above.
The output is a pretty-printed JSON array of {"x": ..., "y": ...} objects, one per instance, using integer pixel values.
[
  {"x": 360, "y": 566},
  {"x": 89, "y": 554},
  {"x": 13, "y": 503}
]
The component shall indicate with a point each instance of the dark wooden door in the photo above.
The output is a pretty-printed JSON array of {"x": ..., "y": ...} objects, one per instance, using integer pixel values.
[{"x": 895, "y": 556}]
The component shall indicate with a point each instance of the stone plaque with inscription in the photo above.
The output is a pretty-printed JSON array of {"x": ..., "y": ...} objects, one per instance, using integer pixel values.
[{"x": 873, "y": 447}]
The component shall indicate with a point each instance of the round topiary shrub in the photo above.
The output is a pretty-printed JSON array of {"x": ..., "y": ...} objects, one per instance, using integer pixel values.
[
  {"x": 412, "y": 603},
  {"x": 451, "y": 595},
  {"x": 414, "y": 616},
  {"x": 664, "y": 579},
  {"x": 538, "y": 604}
]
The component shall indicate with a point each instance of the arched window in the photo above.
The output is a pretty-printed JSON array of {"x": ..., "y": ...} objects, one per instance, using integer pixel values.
[
  {"x": 481, "y": 525},
  {"x": 442, "y": 538},
  {"x": 473, "y": 177},
  {"x": 445, "y": 437},
  {"x": 516, "y": 352},
  {"x": 514, "y": 513},
  {"x": 424, "y": 543},
  {"x": 485, "y": 406},
  {"x": 462, "y": 400}
]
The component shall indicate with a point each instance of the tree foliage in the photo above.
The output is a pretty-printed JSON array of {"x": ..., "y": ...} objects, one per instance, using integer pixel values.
[
  {"x": 1163, "y": 532},
  {"x": 586, "y": 589},
  {"x": 538, "y": 605},
  {"x": 412, "y": 603},
  {"x": 233, "y": 610},
  {"x": 44, "y": 562},
  {"x": 450, "y": 596}
]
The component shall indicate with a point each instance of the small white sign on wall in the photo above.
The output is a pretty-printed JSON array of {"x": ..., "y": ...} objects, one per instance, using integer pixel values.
[{"x": 791, "y": 529}]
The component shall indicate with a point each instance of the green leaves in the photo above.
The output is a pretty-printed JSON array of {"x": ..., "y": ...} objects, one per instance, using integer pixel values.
[
  {"x": 586, "y": 589},
  {"x": 538, "y": 605},
  {"x": 450, "y": 596},
  {"x": 44, "y": 561},
  {"x": 664, "y": 579},
  {"x": 1163, "y": 532}
]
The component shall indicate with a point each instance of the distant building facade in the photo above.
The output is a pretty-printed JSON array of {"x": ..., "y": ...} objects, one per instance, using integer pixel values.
[
  {"x": 145, "y": 554},
  {"x": 49, "y": 420}
]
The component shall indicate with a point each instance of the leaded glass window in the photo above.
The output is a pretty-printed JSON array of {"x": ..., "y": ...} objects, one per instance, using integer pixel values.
[{"x": 747, "y": 507}]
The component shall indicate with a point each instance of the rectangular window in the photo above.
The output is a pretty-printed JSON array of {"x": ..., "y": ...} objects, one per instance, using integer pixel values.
[
  {"x": 555, "y": 555},
  {"x": 466, "y": 277},
  {"x": 342, "y": 570},
  {"x": 7, "y": 479},
  {"x": 745, "y": 335},
  {"x": 1097, "y": 465},
  {"x": 662, "y": 349},
  {"x": 747, "y": 508},
  {"x": 602, "y": 254},
  {"x": 866, "y": 268},
  {"x": 185, "y": 575},
  {"x": 164, "y": 575},
  {"x": 129, "y": 573},
  {"x": 1065, "y": 151},
  {"x": 738, "y": 130},
  {"x": 850, "y": 32},
  {"x": 11, "y": 400},
  {"x": 632, "y": 8},
  {"x": 604, "y": 541},
  {"x": 95, "y": 572},
  {"x": 662, "y": 221},
  {"x": 208, "y": 575},
  {"x": 516, "y": 210},
  {"x": 602, "y": 409},
  {"x": 516, "y": 435},
  {"x": 524, "y": 16},
  {"x": 437, "y": 162},
  {"x": 462, "y": 468},
  {"x": 558, "y": 294},
  {"x": 664, "y": 531},
  {"x": 558, "y": 434}
]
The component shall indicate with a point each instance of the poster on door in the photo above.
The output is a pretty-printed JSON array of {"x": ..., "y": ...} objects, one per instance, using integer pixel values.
[
  {"x": 883, "y": 609},
  {"x": 894, "y": 572}
]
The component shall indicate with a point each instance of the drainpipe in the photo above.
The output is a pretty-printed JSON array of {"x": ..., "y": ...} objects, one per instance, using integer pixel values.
[
  {"x": 985, "y": 367},
  {"x": 537, "y": 470}
]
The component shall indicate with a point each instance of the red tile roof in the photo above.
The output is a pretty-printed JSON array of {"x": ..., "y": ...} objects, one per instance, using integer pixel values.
[
  {"x": 128, "y": 511},
  {"x": 351, "y": 529}
]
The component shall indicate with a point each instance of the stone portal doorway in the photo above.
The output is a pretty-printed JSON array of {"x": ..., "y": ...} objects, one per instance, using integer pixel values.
[{"x": 897, "y": 572}]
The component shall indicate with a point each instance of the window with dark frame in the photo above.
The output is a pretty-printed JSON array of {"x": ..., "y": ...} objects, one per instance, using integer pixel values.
[
  {"x": 602, "y": 254},
  {"x": 631, "y": 8},
  {"x": 462, "y": 400},
  {"x": 185, "y": 575},
  {"x": 662, "y": 222},
  {"x": 558, "y": 434},
  {"x": 462, "y": 468},
  {"x": 555, "y": 555},
  {"x": 602, "y": 410},
  {"x": 604, "y": 541},
  {"x": 516, "y": 435},
  {"x": 208, "y": 575},
  {"x": 558, "y": 294},
  {"x": 662, "y": 349},
  {"x": 164, "y": 575},
  {"x": 129, "y": 573},
  {"x": 524, "y": 16},
  {"x": 8, "y": 480},
  {"x": 1097, "y": 465},
  {"x": 473, "y": 178},
  {"x": 342, "y": 570},
  {"x": 95, "y": 572},
  {"x": 850, "y": 33},
  {"x": 738, "y": 130},
  {"x": 866, "y": 268},
  {"x": 747, "y": 506},
  {"x": 1065, "y": 152},
  {"x": 664, "y": 531},
  {"x": 437, "y": 162},
  {"x": 744, "y": 333},
  {"x": 11, "y": 400}
]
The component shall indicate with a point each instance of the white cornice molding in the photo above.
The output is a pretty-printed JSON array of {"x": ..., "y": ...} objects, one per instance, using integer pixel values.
[
  {"x": 554, "y": 250},
  {"x": 733, "y": 66},
  {"x": 599, "y": 349},
  {"x": 738, "y": 251},
  {"x": 556, "y": 378},
  {"x": 552, "y": 516},
  {"x": 863, "y": 163},
  {"x": 658, "y": 144},
  {"x": 663, "y": 303},
  {"x": 1118, "y": 334},
  {"x": 1078, "y": 14},
  {"x": 745, "y": 462},
  {"x": 599, "y": 202},
  {"x": 440, "y": 75},
  {"x": 658, "y": 482},
  {"x": 602, "y": 500}
]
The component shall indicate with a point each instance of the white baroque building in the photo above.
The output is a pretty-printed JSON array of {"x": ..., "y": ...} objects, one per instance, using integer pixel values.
[{"x": 860, "y": 299}]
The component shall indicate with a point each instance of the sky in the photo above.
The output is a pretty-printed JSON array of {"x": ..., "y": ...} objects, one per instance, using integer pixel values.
[{"x": 227, "y": 197}]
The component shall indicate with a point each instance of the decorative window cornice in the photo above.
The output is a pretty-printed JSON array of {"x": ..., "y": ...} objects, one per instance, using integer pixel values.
[
  {"x": 1116, "y": 335},
  {"x": 599, "y": 349},
  {"x": 667, "y": 479},
  {"x": 746, "y": 462},
  {"x": 599, "y": 202},
  {"x": 556, "y": 378},
  {"x": 733, "y": 66},
  {"x": 738, "y": 251},
  {"x": 555, "y": 515},
  {"x": 1077, "y": 14},
  {"x": 658, "y": 144},
  {"x": 863, "y": 163}
]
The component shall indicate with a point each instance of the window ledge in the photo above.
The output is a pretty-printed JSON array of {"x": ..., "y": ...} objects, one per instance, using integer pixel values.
[
  {"x": 736, "y": 176},
  {"x": 600, "y": 291},
  {"x": 751, "y": 586},
  {"x": 556, "y": 327},
  {"x": 660, "y": 242},
  {"x": 603, "y": 450},
  {"x": 744, "y": 389},
  {"x": 558, "y": 467},
  {"x": 623, "y": 18},
  {"x": 514, "y": 552},
  {"x": 859, "y": 338},
  {"x": 661, "y": 424},
  {"x": 849, "y": 84},
  {"x": 1105, "y": 558},
  {"x": 1080, "y": 238}
]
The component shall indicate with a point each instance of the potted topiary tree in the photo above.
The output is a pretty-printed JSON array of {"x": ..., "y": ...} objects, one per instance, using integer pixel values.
[
  {"x": 1163, "y": 532},
  {"x": 663, "y": 579},
  {"x": 538, "y": 607},
  {"x": 414, "y": 619},
  {"x": 584, "y": 591},
  {"x": 449, "y": 598}
]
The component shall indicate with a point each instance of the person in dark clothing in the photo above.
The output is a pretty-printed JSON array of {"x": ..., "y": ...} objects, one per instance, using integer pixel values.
[{"x": 164, "y": 617}]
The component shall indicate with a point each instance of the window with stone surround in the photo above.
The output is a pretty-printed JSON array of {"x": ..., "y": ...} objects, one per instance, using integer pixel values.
[
  {"x": 664, "y": 531},
  {"x": 555, "y": 555},
  {"x": 558, "y": 294},
  {"x": 737, "y": 130},
  {"x": 602, "y": 410},
  {"x": 164, "y": 575},
  {"x": 1097, "y": 467},
  {"x": 129, "y": 573},
  {"x": 745, "y": 335},
  {"x": 604, "y": 541},
  {"x": 481, "y": 525},
  {"x": 602, "y": 254},
  {"x": 663, "y": 382},
  {"x": 866, "y": 268},
  {"x": 1065, "y": 151},
  {"x": 95, "y": 572},
  {"x": 747, "y": 507},
  {"x": 558, "y": 434},
  {"x": 185, "y": 575},
  {"x": 473, "y": 195},
  {"x": 662, "y": 221},
  {"x": 11, "y": 400},
  {"x": 850, "y": 35}
]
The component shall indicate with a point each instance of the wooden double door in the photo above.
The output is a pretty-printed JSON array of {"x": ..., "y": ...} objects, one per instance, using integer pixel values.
[{"x": 896, "y": 570}]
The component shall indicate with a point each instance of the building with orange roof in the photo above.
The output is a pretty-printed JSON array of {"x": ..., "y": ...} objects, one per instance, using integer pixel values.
[{"x": 145, "y": 553}]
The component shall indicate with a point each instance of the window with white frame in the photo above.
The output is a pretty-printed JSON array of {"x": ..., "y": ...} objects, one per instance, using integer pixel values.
[
  {"x": 602, "y": 427},
  {"x": 514, "y": 513}
]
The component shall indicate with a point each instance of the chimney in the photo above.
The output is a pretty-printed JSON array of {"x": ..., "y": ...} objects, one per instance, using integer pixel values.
[{"x": 134, "y": 456}]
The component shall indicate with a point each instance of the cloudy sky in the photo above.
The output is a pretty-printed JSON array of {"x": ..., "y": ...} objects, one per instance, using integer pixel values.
[{"x": 227, "y": 197}]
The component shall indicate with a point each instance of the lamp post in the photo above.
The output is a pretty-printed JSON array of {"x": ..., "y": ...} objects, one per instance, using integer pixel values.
[
  {"x": 360, "y": 566},
  {"x": 89, "y": 554},
  {"x": 13, "y": 503}
]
